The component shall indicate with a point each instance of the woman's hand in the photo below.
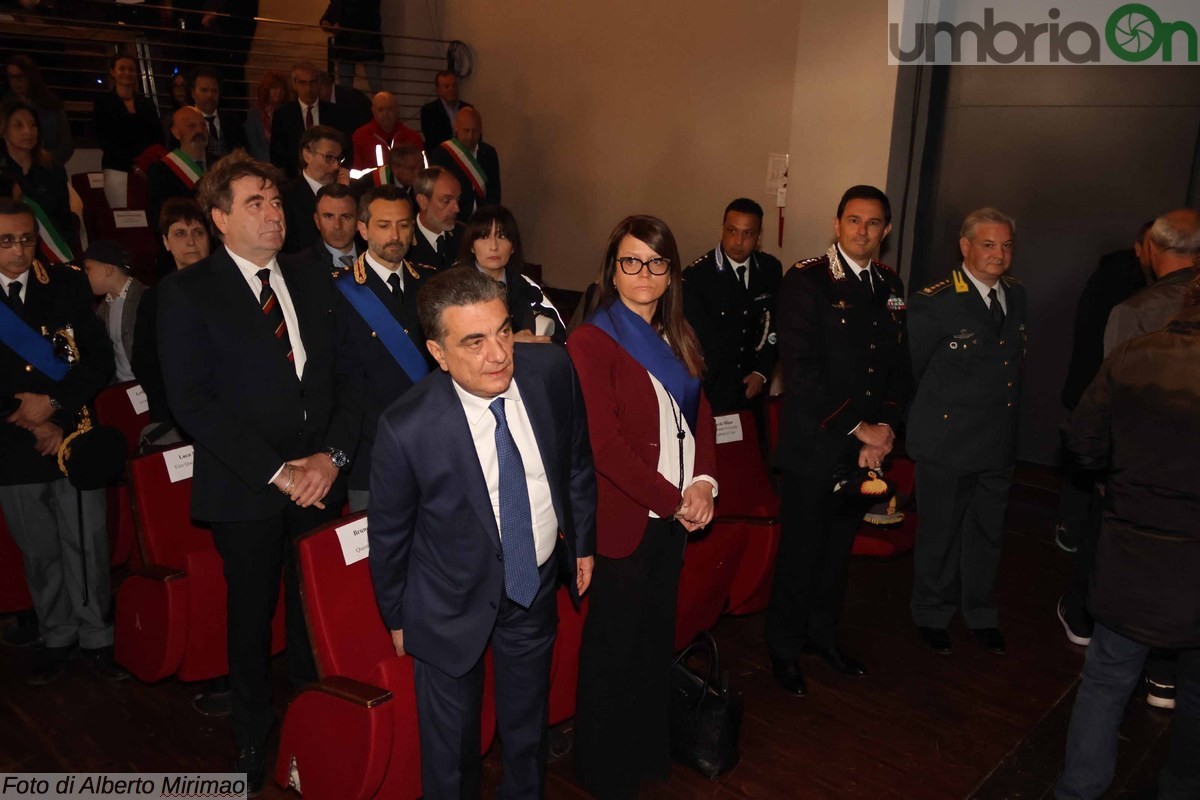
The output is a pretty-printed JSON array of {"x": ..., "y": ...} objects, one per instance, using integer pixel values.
[{"x": 696, "y": 509}]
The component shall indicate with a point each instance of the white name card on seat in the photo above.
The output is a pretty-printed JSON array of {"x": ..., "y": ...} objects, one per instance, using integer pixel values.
[
  {"x": 729, "y": 428},
  {"x": 95, "y": 180},
  {"x": 130, "y": 219},
  {"x": 353, "y": 538},
  {"x": 179, "y": 463},
  {"x": 137, "y": 398}
]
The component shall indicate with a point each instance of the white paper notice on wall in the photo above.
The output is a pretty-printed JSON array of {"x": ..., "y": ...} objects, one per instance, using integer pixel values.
[
  {"x": 353, "y": 538},
  {"x": 137, "y": 398},
  {"x": 129, "y": 219},
  {"x": 777, "y": 170},
  {"x": 179, "y": 463},
  {"x": 729, "y": 429},
  {"x": 95, "y": 180}
]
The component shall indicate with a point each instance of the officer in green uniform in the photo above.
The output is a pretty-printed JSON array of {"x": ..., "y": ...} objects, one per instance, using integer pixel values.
[{"x": 967, "y": 339}]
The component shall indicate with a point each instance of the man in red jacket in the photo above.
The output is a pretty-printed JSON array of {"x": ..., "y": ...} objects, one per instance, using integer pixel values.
[{"x": 385, "y": 130}]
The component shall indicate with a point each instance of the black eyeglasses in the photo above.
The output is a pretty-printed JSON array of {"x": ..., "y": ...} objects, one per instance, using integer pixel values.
[
  {"x": 8, "y": 242},
  {"x": 632, "y": 266},
  {"x": 330, "y": 158}
]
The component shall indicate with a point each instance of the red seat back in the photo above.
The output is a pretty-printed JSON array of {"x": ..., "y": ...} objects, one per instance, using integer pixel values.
[
  {"x": 162, "y": 510},
  {"x": 347, "y": 633},
  {"x": 745, "y": 485},
  {"x": 115, "y": 409}
]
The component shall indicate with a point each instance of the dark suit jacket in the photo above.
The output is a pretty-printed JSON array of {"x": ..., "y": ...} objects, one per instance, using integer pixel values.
[
  {"x": 435, "y": 549},
  {"x": 623, "y": 422},
  {"x": 527, "y": 301},
  {"x": 233, "y": 391},
  {"x": 845, "y": 361},
  {"x": 144, "y": 360},
  {"x": 968, "y": 378},
  {"x": 355, "y": 109},
  {"x": 488, "y": 160},
  {"x": 65, "y": 300},
  {"x": 288, "y": 124},
  {"x": 364, "y": 363},
  {"x": 123, "y": 136},
  {"x": 436, "y": 125},
  {"x": 422, "y": 253},
  {"x": 319, "y": 256},
  {"x": 161, "y": 185},
  {"x": 299, "y": 206}
]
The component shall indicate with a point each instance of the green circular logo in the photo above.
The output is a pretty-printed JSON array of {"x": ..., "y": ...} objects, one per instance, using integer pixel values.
[{"x": 1132, "y": 32}]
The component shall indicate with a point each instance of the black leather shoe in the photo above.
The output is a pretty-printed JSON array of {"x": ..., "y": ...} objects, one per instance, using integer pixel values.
[
  {"x": 101, "y": 659},
  {"x": 990, "y": 639},
  {"x": 788, "y": 675},
  {"x": 937, "y": 638},
  {"x": 51, "y": 664},
  {"x": 838, "y": 661},
  {"x": 24, "y": 632},
  {"x": 253, "y": 762},
  {"x": 215, "y": 701}
]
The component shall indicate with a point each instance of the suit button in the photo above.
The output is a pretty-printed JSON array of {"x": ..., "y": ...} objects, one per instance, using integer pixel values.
[
  {"x": 1010, "y": 384},
  {"x": 1010, "y": 405},
  {"x": 868, "y": 393},
  {"x": 1001, "y": 341},
  {"x": 406, "y": 331},
  {"x": 871, "y": 347},
  {"x": 875, "y": 323},
  {"x": 870, "y": 370},
  {"x": 373, "y": 334},
  {"x": 722, "y": 313},
  {"x": 1006, "y": 363},
  {"x": 29, "y": 368},
  {"x": 492, "y": 603},
  {"x": 945, "y": 416},
  {"x": 500, "y": 556},
  {"x": 303, "y": 393},
  {"x": 746, "y": 313}
]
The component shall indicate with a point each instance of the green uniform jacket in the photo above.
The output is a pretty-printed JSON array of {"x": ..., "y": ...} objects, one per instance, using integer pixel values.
[{"x": 968, "y": 378}]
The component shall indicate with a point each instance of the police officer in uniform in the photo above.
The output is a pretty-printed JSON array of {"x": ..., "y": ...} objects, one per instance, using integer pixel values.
[
  {"x": 66, "y": 568},
  {"x": 374, "y": 300},
  {"x": 846, "y": 372},
  {"x": 967, "y": 339},
  {"x": 729, "y": 299}
]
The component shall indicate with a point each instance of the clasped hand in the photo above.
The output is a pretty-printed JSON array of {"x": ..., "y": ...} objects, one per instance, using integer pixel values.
[
  {"x": 696, "y": 508},
  {"x": 877, "y": 442},
  {"x": 310, "y": 480}
]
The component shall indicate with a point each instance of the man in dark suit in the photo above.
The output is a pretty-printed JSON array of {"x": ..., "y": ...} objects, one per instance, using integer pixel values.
[
  {"x": 473, "y": 161},
  {"x": 226, "y": 131},
  {"x": 177, "y": 173},
  {"x": 729, "y": 299},
  {"x": 354, "y": 106},
  {"x": 294, "y": 118},
  {"x": 66, "y": 567},
  {"x": 336, "y": 217},
  {"x": 439, "y": 232},
  {"x": 482, "y": 490},
  {"x": 246, "y": 346},
  {"x": 967, "y": 339},
  {"x": 380, "y": 346},
  {"x": 845, "y": 368},
  {"x": 437, "y": 116},
  {"x": 322, "y": 161}
]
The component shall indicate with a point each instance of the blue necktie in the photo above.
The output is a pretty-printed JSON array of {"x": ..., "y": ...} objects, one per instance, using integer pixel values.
[{"x": 516, "y": 518}]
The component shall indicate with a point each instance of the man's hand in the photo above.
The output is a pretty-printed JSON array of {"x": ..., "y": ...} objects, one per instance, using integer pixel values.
[
  {"x": 876, "y": 435},
  {"x": 33, "y": 411},
  {"x": 871, "y": 457},
  {"x": 530, "y": 336},
  {"x": 343, "y": 176},
  {"x": 696, "y": 509},
  {"x": 583, "y": 573},
  {"x": 314, "y": 476},
  {"x": 49, "y": 438},
  {"x": 754, "y": 384},
  {"x": 398, "y": 643}
]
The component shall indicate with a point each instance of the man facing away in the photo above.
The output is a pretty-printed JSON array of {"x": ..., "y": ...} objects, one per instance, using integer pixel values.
[{"x": 482, "y": 491}]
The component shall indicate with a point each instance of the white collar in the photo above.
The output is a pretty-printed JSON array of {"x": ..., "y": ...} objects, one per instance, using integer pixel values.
[
  {"x": 852, "y": 264},
  {"x": 384, "y": 272},
  {"x": 249, "y": 268},
  {"x": 6, "y": 281},
  {"x": 430, "y": 236},
  {"x": 121, "y": 295},
  {"x": 333, "y": 251},
  {"x": 476, "y": 407},
  {"x": 316, "y": 187},
  {"x": 981, "y": 286}
]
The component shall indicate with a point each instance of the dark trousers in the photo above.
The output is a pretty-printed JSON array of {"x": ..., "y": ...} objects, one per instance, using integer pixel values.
[
  {"x": 818, "y": 527},
  {"x": 1110, "y": 673},
  {"x": 253, "y": 554},
  {"x": 1085, "y": 528},
  {"x": 622, "y": 728},
  {"x": 959, "y": 531},
  {"x": 448, "y": 707}
]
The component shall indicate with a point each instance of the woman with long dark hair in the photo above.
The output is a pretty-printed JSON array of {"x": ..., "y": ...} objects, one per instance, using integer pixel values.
[
  {"x": 43, "y": 182},
  {"x": 126, "y": 123},
  {"x": 25, "y": 83},
  {"x": 492, "y": 244},
  {"x": 654, "y": 445}
]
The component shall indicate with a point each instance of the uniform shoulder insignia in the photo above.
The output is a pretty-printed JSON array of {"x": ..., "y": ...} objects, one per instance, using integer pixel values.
[
  {"x": 75, "y": 267},
  {"x": 808, "y": 262},
  {"x": 1009, "y": 280},
  {"x": 419, "y": 265},
  {"x": 697, "y": 261},
  {"x": 931, "y": 290},
  {"x": 884, "y": 267},
  {"x": 337, "y": 273}
]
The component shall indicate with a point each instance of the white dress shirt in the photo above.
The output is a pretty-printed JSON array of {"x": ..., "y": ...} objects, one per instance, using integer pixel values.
[
  {"x": 670, "y": 417},
  {"x": 430, "y": 236},
  {"x": 984, "y": 289},
  {"x": 23, "y": 280},
  {"x": 250, "y": 273},
  {"x": 316, "y": 187},
  {"x": 483, "y": 432},
  {"x": 384, "y": 272},
  {"x": 116, "y": 310},
  {"x": 735, "y": 266},
  {"x": 316, "y": 109}
]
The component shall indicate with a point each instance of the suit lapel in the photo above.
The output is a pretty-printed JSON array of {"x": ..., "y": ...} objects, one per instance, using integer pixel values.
[
  {"x": 235, "y": 295},
  {"x": 541, "y": 419},
  {"x": 456, "y": 434}
]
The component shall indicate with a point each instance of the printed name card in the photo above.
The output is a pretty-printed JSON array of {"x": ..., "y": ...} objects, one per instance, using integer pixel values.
[
  {"x": 353, "y": 538},
  {"x": 179, "y": 463},
  {"x": 729, "y": 428},
  {"x": 129, "y": 219},
  {"x": 137, "y": 398},
  {"x": 95, "y": 180}
]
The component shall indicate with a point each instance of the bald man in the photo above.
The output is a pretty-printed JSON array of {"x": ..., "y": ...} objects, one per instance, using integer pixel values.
[
  {"x": 473, "y": 161},
  {"x": 382, "y": 133},
  {"x": 176, "y": 174}
]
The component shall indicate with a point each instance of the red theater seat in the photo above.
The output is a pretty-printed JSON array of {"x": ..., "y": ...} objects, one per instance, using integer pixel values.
[
  {"x": 354, "y": 733},
  {"x": 564, "y": 668},
  {"x": 709, "y": 563},
  {"x": 14, "y": 592},
  {"x": 115, "y": 409},
  {"x": 171, "y": 613}
]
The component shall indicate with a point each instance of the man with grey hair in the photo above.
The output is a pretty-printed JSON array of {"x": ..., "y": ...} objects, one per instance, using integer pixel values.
[
  {"x": 483, "y": 494},
  {"x": 439, "y": 232},
  {"x": 1174, "y": 245},
  {"x": 967, "y": 339}
]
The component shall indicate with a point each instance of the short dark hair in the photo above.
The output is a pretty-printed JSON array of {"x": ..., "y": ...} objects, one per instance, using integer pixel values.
[
  {"x": 444, "y": 73},
  {"x": 744, "y": 205},
  {"x": 457, "y": 286},
  {"x": 215, "y": 189},
  {"x": 387, "y": 193},
  {"x": 15, "y": 208},
  {"x": 180, "y": 209},
  {"x": 335, "y": 190},
  {"x": 315, "y": 134},
  {"x": 480, "y": 225},
  {"x": 865, "y": 192},
  {"x": 402, "y": 151}
]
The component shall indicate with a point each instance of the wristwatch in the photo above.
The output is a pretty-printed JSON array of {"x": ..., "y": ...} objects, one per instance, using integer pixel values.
[
  {"x": 338, "y": 457},
  {"x": 55, "y": 405}
]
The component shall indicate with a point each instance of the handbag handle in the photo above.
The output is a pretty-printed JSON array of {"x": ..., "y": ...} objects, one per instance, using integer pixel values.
[{"x": 705, "y": 641}]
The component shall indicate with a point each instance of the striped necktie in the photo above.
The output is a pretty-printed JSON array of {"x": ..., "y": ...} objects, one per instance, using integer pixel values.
[{"x": 274, "y": 313}]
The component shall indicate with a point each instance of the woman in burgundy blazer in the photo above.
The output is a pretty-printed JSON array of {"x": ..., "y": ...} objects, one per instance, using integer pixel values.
[{"x": 654, "y": 445}]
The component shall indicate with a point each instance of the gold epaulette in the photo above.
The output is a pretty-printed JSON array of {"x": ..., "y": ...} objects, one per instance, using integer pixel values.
[
  {"x": 1009, "y": 280},
  {"x": 930, "y": 291},
  {"x": 808, "y": 262},
  {"x": 419, "y": 265},
  {"x": 39, "y": 272}
]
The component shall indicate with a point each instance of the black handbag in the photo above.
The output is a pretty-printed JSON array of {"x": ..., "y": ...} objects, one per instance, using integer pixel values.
[{"x": 706, "y": 716}]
